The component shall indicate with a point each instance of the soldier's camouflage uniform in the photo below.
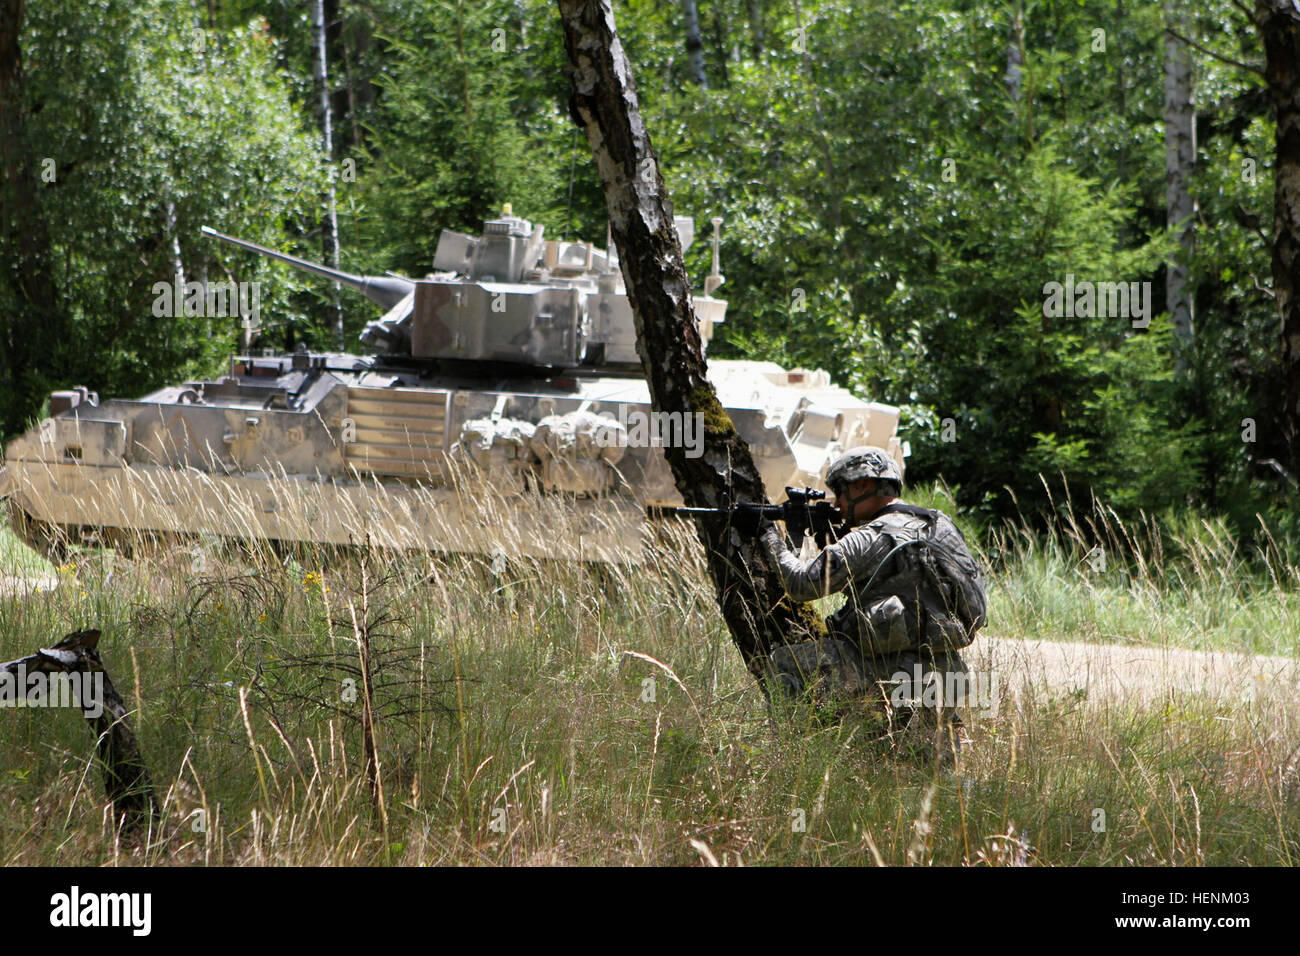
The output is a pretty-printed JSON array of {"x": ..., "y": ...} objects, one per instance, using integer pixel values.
[{"x": 894, "y": 634}]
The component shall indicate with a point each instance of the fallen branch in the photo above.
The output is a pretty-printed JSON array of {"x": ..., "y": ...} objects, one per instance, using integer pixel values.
[{"x": 126, "y": 778}]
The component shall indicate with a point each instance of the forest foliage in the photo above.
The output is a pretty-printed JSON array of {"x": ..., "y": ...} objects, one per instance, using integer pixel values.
[{"x": 899, "y": 183}]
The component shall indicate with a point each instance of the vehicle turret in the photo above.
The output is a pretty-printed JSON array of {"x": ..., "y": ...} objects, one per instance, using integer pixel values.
[{"x": 509, "y": 295}]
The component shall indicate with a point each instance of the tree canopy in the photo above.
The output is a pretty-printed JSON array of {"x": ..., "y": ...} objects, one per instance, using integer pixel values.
[{"x": 901, "y": 185}]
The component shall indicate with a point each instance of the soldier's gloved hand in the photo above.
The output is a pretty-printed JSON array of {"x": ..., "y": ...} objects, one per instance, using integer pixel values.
[{"x": 772, "y": 537}]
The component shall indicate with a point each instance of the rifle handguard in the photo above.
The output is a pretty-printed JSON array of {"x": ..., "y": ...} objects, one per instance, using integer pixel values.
[{"x": 805, "y": 511}]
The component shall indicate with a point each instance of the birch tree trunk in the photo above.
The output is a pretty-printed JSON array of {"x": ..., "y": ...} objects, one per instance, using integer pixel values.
[
  {"x": 694, "y": 45},
  {"x": 1015, "y": 56},
  {"x": 1279, "y": 28},
  {"x": 756, "y": 27},
  {"x": 327, "y": 146},
  {"x": 1180, "y": 155},
  {"x": 604, "y": 104}
]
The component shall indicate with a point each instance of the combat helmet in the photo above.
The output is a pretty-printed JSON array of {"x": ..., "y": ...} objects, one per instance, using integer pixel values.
[{"x": 864, "y": 461}]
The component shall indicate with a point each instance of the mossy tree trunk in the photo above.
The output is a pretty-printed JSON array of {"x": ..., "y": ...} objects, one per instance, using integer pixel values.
[{"x": 603, "y": 102}]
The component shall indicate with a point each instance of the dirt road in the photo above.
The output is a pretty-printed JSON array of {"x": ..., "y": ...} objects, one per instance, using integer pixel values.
[
  {"x": 14, "y": 585},
  {"x": 1132, "y": 673}
]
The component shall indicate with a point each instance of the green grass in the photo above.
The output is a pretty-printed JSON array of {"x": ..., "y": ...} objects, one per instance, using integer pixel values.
[
  {"x": 16, "y": 557},
  {"x": 515, "y": 725}
]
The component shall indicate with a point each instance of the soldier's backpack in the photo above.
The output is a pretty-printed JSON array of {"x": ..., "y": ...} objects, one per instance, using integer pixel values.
[{"x": 953, "y": 575}]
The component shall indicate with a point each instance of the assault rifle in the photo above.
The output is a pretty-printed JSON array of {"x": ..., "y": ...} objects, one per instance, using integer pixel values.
[{"x": 805, "y": 511}]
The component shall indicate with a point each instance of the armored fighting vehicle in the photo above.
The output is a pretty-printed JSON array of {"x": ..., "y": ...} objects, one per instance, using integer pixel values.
[{"x": 501, "y": 408}]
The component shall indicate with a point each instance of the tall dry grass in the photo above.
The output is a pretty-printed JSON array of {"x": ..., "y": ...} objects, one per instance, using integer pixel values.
[{"x": 527, "y": 711}]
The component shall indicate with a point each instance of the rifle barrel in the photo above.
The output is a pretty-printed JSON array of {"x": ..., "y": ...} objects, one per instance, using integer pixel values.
[{"x": 767, "y": 509}]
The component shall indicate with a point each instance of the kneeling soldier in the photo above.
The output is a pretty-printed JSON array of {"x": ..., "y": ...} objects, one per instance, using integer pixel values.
[{"x": 914, "y": 598}]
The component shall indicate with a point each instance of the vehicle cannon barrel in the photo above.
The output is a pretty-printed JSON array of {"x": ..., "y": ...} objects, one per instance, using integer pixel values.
[{"x": 386, "y": 291}]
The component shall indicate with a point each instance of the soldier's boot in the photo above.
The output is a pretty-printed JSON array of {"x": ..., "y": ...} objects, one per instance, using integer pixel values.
[{"x": 956, "y": 745}]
